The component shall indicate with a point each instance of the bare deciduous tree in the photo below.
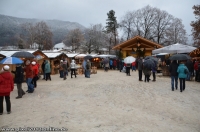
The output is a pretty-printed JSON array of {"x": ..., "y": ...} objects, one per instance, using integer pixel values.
[
  {"x": 126, "y": 24},
  {"x": 43, "y": 36},
  {"x": 162, "y": 23},
  {"x": 154, "y": 24},
  {"x": 40, "y": 34},
  {"x": 74, "y": 38},
  {"x": 94, "y": 39},
  {"x": 21, "y": 41},
  {"x": 175, "y": 33},
  {"x": 148, "y": 18}
]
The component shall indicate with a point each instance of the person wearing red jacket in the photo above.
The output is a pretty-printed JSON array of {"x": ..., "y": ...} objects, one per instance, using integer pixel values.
[
  {"x": 114, "y": 64},
  {"x": 35, "y": 73},
  {"x": 196, "y": 70},
  {"x": 29, "y": 76},
  {"x": 6, "y": 86},
  {"x": 133, "y": 66}
]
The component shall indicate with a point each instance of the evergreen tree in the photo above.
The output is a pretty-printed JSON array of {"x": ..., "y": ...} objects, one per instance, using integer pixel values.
[{"x": 111, "y": 25}]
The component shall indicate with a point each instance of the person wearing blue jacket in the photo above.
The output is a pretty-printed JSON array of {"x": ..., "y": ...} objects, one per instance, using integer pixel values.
[
  {"x": 47, "y": 70},
  {"x": 182, "y": 75}
]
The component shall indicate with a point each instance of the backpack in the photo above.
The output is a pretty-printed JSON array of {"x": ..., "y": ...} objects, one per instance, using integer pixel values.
[{"x": 87, "y": 66}]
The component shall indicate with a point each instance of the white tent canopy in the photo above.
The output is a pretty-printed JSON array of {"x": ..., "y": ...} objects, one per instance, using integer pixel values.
[{"x": 174, "y": 48}]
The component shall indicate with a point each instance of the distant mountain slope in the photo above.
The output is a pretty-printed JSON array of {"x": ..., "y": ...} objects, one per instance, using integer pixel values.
[{"x": 10, "y": 26}]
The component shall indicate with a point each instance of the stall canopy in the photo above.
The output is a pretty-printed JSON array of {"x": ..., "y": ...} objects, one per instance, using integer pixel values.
[{"x": 175, "y": 48}]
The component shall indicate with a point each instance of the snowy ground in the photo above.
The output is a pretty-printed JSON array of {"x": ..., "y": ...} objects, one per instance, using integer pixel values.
[{"x": 106, "y": 102}]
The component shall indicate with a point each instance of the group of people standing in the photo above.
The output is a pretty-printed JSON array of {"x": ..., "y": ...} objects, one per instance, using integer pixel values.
[
  {"x": 64, "y": 67},
  {"x": 146, "y": 70},
  {"x": 184, "y": 70},
  {"x": 31, "y": 71}
]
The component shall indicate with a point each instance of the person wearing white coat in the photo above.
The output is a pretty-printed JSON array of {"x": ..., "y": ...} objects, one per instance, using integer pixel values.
[{"x": 73, "y": 68}]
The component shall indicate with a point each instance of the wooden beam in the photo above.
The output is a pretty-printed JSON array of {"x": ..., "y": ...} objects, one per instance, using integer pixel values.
[{"x": 131, "y": 49}]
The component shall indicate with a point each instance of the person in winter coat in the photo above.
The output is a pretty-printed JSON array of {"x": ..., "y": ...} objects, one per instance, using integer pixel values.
[
  {"x": 61, "y": 69},
  {"x": 133, "y": 66},
  {"x": 73, "y": 68},
  {"x": 47, "y": 70},
  {"x": 106, "y": 66},
  {"x": 182, "y": 75},
  {"x": 43, "y": 67},
  {"x": 128, "y": 67},
  {"x": 114, "y": 64},
  {"x": 147, "y": 73},
  {"x": 121, "y": 65},
  {"x": 140, "y": 66},
  {"x": 190, "y": 67},
  {"x": 29, "y": 76},
  {"x": 65, "y": 69},
  {"x": 196, "y": 70},
  {"x": 111, "y": 63},
  {"x": 174, "y": 74},
  {"x": 19, "y": 78},
  {"x": 6, "y": 86},
  {"x": 35, "y": 73},
  {"x": 84, "y": 66},
  {"x": 88, "y": 67},
  {"x": 154, "y": 70}
]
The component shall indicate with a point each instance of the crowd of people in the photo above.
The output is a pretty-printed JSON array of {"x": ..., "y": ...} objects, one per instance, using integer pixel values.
[
  {"x": 31, "y": 72},
  {"x": 182, "y": 70}
]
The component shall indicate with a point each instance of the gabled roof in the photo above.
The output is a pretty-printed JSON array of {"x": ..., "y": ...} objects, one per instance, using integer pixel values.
[
  {"x": 71, "y": 55},
  {"x": 53, "y": 54},
  {"x": 8, "y": 53},
  {"x": 133, "y": 43}
]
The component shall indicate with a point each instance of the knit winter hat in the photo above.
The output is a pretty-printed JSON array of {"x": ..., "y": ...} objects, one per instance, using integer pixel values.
[
  {"x": 6, "y": 68},
  {"x": 33, "y": 63}
]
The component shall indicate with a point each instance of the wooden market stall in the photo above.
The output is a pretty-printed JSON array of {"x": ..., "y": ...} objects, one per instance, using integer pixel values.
[
  {"x": 79, "y": 61},
  {"x": 137, "y": 47},
  {"x": 39, "y": 57},
  {"x": 54, "y": 59}
]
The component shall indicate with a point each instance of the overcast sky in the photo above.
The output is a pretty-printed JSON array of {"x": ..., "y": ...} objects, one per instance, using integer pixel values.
[{"x": 88, "y": 12}]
